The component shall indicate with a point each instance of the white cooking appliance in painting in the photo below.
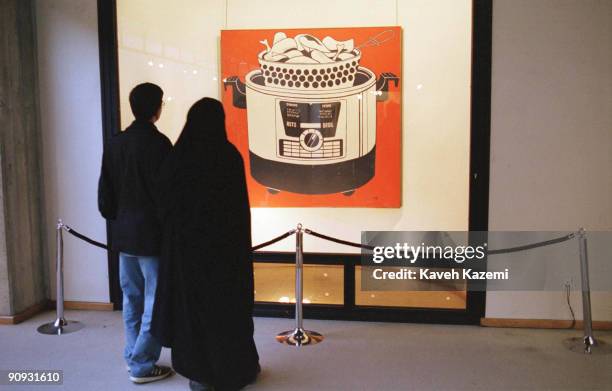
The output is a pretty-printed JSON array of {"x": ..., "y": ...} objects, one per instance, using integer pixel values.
[{"x": 311, "y": 111}]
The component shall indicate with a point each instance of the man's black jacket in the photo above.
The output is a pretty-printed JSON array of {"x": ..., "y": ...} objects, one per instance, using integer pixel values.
[{"x": 127, "y": 187}]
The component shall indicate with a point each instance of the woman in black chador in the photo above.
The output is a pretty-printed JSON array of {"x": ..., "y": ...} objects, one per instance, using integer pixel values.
[{"x": 203, "y": 309}]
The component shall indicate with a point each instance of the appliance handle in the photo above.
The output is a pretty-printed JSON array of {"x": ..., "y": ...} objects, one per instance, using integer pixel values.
[
  {"x": 238, "y": 91},
  {"x": 382, "y": 85}
]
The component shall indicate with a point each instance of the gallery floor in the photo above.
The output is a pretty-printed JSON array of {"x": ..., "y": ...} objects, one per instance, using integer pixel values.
[{"x": 354, "y": 356}]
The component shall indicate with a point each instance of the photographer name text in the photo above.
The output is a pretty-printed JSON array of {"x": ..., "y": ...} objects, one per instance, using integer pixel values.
[{"x": 428, "y": 274}]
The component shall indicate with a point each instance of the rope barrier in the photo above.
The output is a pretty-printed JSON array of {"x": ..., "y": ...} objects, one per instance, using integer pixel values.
[
  {"x": 276, "y": 239},
  {"x": 532, "y": 245},
  {"x": 79, "y": 235},
  {"x": 299, "y": 336},
  {"x": 339, "y": 241},
  {"x": 85, "y": 238},
  {"x": 490, "y": 252}
]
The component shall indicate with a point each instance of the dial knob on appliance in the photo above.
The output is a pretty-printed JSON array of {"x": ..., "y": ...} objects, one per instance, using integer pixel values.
[{"x": 311, "y": 140}]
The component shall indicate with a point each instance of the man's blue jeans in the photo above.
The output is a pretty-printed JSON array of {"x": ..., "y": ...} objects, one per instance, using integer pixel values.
[{"x": 138, "y": 277}]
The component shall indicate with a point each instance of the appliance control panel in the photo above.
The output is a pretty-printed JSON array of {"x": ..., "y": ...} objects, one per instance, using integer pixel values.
[
  {"x": 311, "y": 125},
  {"x": 300, "y": 116}
]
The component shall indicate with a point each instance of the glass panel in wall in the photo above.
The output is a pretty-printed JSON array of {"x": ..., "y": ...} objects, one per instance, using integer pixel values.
[
  {"x": 275, "y": 282},
  {"x": 419, "y": 294}
]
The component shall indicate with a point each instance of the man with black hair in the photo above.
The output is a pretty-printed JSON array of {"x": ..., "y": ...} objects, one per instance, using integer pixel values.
[{"x": 126, "y": 194}]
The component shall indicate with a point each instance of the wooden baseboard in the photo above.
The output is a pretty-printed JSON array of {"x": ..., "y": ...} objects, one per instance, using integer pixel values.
[
  {"x": 50, "y": 305},
  {"x": 541, "y": 323},
  {"x": 84, "y": 305},
  {"x": 25, "y": 314}
]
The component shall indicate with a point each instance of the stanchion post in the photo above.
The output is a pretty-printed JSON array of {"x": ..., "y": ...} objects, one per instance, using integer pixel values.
[
  {"x": 587, "y": 344},
  {"x": 59, "y": 274},
  {"x": 61, "y": 325},
  {"x": 587, "y": 319},
  {"x": 299, "y": 336},
  {"x": 299, "y": 279}
]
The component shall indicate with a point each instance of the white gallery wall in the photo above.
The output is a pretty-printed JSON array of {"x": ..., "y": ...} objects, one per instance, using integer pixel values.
[
  {"x": 551, "y": 131},
  {"x": 71, "y": 127}
]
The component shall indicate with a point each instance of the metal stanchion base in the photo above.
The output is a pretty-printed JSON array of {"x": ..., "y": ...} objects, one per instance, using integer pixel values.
[
  {"x": 592, "y": 346},
  {"x": 299, "y": 337},
  {"x": 60, "y": 326}
]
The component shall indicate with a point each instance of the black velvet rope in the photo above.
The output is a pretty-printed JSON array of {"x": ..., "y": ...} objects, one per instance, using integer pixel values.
[
  {"x": 532, "y": 245},
  {"x": 272, "y": 241},
  {"x": 105, "y": 247},
  {"x": 347, "y": 243},
  {"x": 339, "y": 241},
  {"x": 490, "y": 252},
  {"x": 85, "y": 238}
]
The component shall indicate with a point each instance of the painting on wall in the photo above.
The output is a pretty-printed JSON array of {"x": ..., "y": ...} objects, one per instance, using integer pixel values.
[{"x": 316, "y": 114}]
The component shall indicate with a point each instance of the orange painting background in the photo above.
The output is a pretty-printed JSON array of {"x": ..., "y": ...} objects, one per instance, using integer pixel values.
[{"x": 239, "y": 50}]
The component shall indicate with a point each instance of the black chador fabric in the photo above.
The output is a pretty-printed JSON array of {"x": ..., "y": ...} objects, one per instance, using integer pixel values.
[{"x": 204, "y": 304}]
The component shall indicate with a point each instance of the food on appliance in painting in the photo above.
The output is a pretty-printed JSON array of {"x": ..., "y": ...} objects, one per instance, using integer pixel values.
[
  {"x": 332, "y": 44},
  {"x": 301, "y": 60},
  {"x": 320, "y": 57},
  {"x": 265, "y": 42},
  {"x": 345, "y": 56},
  {"x": 271, "y": 56},
  {"x": 293, "y": 53},
  {"x": 308, "y": 49},
  {"x": 279, "y": 37},
  {"x": 284, "y": 45},
  {"x": 310, "y": 42}
]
